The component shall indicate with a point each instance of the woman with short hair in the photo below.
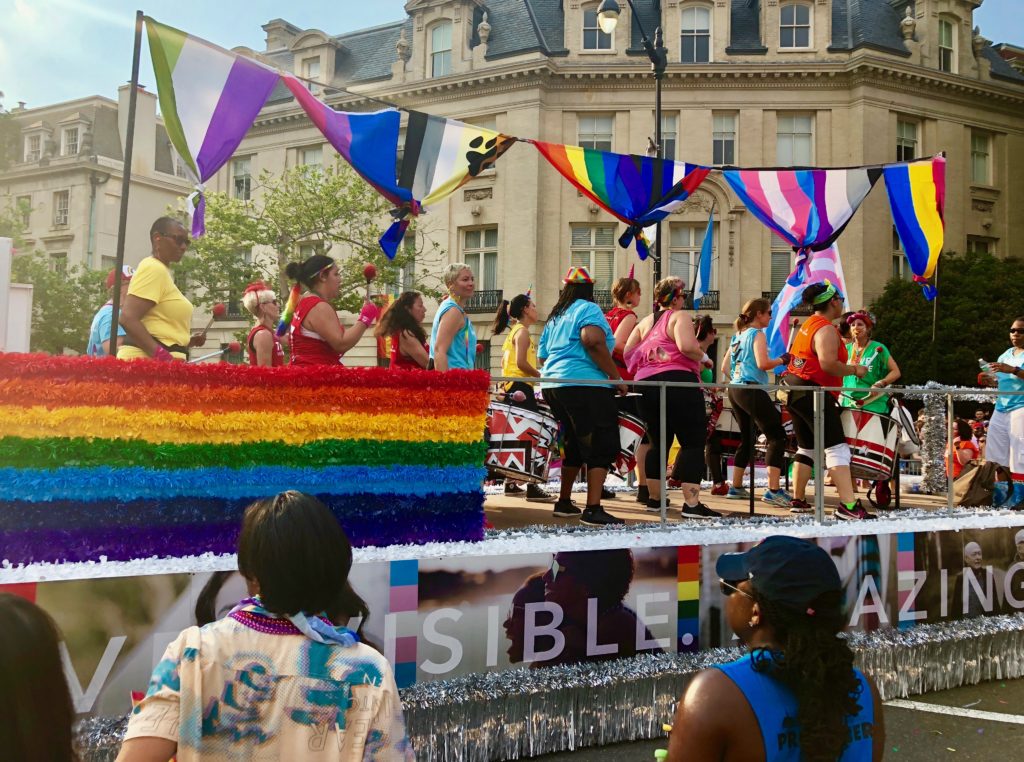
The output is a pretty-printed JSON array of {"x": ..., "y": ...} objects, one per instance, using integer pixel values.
[{"x": 452, "y": 335}]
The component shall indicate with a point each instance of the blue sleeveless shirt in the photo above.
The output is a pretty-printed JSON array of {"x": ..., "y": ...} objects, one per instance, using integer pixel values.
[
  {"x": 462, "y": 352},
  {"x": 744, "y": 363},
  {"x": 776, "y": 707}
]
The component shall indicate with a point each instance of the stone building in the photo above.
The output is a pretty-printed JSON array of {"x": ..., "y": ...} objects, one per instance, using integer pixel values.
[{"x": 750, "y": 82}]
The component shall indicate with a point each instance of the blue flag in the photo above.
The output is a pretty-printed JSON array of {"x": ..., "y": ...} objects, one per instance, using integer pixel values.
[{"x": 703, "y": 279}]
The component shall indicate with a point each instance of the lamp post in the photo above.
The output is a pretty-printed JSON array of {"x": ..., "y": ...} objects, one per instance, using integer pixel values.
[{"x": 607, "y": 19}]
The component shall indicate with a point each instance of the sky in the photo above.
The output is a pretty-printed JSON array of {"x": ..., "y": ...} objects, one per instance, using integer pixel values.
[{"x": 57, "y": 50}]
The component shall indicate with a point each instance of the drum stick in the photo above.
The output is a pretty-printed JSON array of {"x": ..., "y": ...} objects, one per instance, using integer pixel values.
[{"x": 234, "y": 346}]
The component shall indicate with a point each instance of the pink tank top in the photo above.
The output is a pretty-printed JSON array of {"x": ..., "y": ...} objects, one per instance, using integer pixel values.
[{"x": 658, "y": 353}]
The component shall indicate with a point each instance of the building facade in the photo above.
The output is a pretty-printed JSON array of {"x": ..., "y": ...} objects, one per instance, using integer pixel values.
[{"x": 754, "y": 83}]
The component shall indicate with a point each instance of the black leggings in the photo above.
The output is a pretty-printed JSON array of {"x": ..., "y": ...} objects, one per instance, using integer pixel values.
[
  {"x": 755, "y": 407},
  {"x": 591, "y": 423},
  {"x": 801, "y": 410},
  {"x": 684, "y": 421}
]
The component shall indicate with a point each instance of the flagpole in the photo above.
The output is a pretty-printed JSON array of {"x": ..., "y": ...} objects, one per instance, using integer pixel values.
[{"x": 126, "y": 179}]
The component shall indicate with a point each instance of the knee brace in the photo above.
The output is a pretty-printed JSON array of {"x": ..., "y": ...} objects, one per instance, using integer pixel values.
[
  {"x": 837, "y": 455},
  {"x": 804, "y": 456}
]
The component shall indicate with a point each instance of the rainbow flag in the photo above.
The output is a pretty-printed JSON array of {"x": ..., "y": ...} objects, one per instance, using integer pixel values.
[
  {"x": 209, "y": 97},
  {"x": 917, "y": 197},
  {"x": 638, "y": 190},
  {"x": 138, "y": 460}
]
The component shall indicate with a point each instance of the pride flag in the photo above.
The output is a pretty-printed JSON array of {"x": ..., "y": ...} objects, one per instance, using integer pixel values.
[
  {"x": 209, "y": 98},
  {"x": 917, "y": 197}
]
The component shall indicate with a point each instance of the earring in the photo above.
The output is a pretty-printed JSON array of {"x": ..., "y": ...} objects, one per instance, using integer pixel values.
[{"x": 754, "y": 621}]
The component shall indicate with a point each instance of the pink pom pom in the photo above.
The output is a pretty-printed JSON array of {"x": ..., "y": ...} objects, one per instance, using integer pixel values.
[
  {"x": 219, "y": 309},
  {"x": 369, "y": 272}
]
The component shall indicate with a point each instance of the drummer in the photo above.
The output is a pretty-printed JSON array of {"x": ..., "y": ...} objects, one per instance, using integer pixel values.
[
  {"x": 882, "y": 370},
  {"x": 819, "y": 359}
]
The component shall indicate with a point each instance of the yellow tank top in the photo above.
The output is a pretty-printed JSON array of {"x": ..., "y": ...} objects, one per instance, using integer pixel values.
[{"x": 508, "y": 353}]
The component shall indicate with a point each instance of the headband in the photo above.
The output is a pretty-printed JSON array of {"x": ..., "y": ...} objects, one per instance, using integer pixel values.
[
  {"x": 667, "y": 300},
  {"x": 827, "y": 295}
]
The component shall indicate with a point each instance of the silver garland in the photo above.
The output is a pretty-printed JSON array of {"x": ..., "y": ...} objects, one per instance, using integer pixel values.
[{"x": 524, "y": 713}]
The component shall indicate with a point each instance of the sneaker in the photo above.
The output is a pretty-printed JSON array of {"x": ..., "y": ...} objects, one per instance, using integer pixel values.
[
  {"x": 595, "y": 515},
  {"x": 654, "y": 505},
  {"x": 535, "y": 494},
  {"x": 642, "y": 494},
  {"x": 699, "y": 511},
  {"x": 566, "y": 509},
  {"x": 737, "y": 494},
  {"x": 859, "y": 512},
  {"x": 720, "y": 489},
  {"x": 777, "y": 497},
  {"x": 607, "y": 494},
  {"x": 511, "y": 488},
  {"x": 796, "y": 505}
]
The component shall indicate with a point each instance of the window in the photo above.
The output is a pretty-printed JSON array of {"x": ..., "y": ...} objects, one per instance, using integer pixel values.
[
  {"x": 180, "y": 168},
  {"x": 69, "y": 141},
  {"x": 61, "y": 204},
  {"x": 795, "y": 141},
  {"x": 696, "y": 38},
  {"x": 596, "y": 131},
  {"x": 33, "y": 147},
  {"x": 723, "y": 139},
  {"x": 482, "y": 361},
  {"x": 980, "y": 158},
  {"x": 906, "y": 140},
  {"x": 900, "y": 266},
  {"x": 593, "y": 37},
  {"x": 947, "y": 46},
  {"x": 977, "y": 245},
  {"x": 684, "y": 244},
  {"x": 311, "y": 157},
  {"x": 107, "y": 263},
  {"x": 480, "y": 252},
  {"x": 306, "y": 250},
  {"x": 669, "y": 134},
  {"x": 795, "y": 26},
  {"x": 241, "y": 174},
  {"x": 441, "y": 49},
  {"x": 59, "y": 263},
  {"x": 311, "y": 70},
  {"x": 24, "y": 206},
  {"x": 782, "y": 262},
  {"x": 593, "y": 247}
]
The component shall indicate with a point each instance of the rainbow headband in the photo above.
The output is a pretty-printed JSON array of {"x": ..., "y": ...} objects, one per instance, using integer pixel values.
[{"x": 828, "y": 294}]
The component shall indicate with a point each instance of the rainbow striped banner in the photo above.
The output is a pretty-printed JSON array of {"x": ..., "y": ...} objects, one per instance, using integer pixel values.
[
  {"x": 688, "y": 601},
  {"x": 101, "y": 458}
]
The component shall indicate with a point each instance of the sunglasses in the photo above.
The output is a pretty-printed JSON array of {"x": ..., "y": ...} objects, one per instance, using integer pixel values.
[
  {"x": 1017, "y": 330},
  {"x": 181, "y": 239},
  {"x": 728, "y": 589}
]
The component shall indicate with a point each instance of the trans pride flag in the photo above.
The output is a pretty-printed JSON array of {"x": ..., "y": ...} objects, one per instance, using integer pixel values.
[
  {"x": 209, "y": 98},
  {"x": 917, "y": 197}
]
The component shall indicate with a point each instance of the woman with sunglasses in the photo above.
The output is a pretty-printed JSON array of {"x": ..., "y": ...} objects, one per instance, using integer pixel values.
[
  {"x": 318, "y": 337},
  {"x": 263, "y": 343},
  {"x": 818, "y": 358},
  {"x": 156, "y": 315},
  {"x": 796, "y": 695},
  {"x": 1005, "y": 437}
]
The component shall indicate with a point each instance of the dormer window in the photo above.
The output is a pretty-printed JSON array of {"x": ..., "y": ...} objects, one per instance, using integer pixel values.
[
  {"x": 33, "y": 147},
  {"x": 69, "y": 141},
  {"x": 795, "y": 26},
  {"x": 696, "y": 34},
  {"x": 593, "y": 37},
  {"x": 947, "y": 46},
  {"x": 311, "y": 71},
  {"x": 441, "y": 49}
]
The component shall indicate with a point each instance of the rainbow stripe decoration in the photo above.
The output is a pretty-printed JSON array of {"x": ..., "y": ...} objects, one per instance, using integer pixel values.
[
  {"x": 917, "y": 197},
  {"x": 403, "y": 604},
  {"x": 144, "y": 459},
  {"x": 688, "y": 585},
  {"x": 905, "y": 569}
]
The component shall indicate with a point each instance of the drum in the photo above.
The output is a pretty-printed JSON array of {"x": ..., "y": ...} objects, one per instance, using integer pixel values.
[
  {"x": 787, "y": 426},
  {"x": 520, "y": 443},
  {"x": 631, "y": 431},
  {"x": 712, "y": 409},
  {"x": 873, "y": 439}
]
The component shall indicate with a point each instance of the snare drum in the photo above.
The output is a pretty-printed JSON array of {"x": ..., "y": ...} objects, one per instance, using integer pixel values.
[
  {"x": 521, "y": 442},
  {"x": 873, "y": 439},
  {"x": 631, "y": 431}
]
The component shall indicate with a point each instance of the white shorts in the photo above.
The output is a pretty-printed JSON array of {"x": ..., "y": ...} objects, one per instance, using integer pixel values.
[{"x": 1005, "y": 443}]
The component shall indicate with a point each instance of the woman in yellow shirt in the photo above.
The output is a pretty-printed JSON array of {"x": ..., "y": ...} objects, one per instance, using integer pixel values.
[{"x": 156, "y": 315}]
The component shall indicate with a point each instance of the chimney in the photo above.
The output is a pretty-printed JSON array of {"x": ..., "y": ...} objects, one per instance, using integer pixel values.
[{"x": 144, "y": 150}]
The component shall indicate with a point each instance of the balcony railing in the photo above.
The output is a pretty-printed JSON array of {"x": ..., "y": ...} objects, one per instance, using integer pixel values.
[
  {"x": 799, "y": 310},
  {"x": 603, "y": 299},
  {"x": 484, "y": 301},
  {"x": 708, "y": 302},
  {"x": 234, "y": 311}
]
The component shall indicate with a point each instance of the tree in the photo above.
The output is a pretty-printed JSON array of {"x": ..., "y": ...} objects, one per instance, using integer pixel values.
[
  {"x": 10, "y": 138},
  {"x": 979, "y": 296}
]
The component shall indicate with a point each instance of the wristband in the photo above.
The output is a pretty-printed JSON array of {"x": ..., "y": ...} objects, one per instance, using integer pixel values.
[{"x": 162, "y": 355}]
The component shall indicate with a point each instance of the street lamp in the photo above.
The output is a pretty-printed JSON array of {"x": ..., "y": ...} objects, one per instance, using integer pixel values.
[{"x": 607, "y": 19}]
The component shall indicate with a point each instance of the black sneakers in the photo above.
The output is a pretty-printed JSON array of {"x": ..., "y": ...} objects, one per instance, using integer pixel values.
[
  {"x": 595, "y": 515},
  {"x": 642, "y": 494},
  {"x": 535, "y": 494},
  {"x": 511, "y": 488},
  {"x": 699, "y": 511},
  {"x": 654, "y": 505},
  {"x": 566, "y": 509},
  {"x": 607, "y": 494}
]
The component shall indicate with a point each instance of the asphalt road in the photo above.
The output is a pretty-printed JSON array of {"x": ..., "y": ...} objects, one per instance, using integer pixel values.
[{"x": 985, "y": 724}]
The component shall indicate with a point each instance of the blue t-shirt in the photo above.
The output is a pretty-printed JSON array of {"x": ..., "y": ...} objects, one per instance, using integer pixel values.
[
  {"x": 561, "y": 348},
  {"x": 1008, "y": 383},
  {"x": 462, "y": 352},
  {"x": 100, "y": 331},
  {"x": 776, "y": 710},
  {"x": 744, "y": 364}
]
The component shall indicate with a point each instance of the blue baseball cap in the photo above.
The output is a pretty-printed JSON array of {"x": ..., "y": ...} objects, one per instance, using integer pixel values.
[{"x": 785, "y": 570}]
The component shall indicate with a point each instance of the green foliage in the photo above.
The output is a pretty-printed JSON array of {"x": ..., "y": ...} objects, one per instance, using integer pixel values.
[
  {"x": 979, "y": 296},
  {"x": 12, "y": 214},
  {"x": 10, "y": 138}
]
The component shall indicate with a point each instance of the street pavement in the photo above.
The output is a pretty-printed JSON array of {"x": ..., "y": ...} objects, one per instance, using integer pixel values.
[{"x": 978, "y": 723}]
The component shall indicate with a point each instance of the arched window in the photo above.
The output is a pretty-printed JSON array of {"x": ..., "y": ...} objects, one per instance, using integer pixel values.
[
  {"x": 441, "y": 49},
  {"x": 795, "y": 26},
  {"x": 696, "y": 34},
  {"x": 593, "y": 37}
]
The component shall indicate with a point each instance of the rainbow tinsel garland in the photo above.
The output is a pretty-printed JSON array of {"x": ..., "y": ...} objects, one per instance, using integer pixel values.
[{"x": 134, "y": 460}]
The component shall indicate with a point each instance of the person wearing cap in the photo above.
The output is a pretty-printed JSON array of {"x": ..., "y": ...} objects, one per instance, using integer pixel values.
[
  {"x": 577, "y": 344},
  {"x": 882, "y": 370},
  {"x": 796, "y": 694},
  {"x": 818, "y": 358},
  {"x": 99, "y": 332},
  {"x": 263, "y": 344},
  {"x": 156, "y": 315}
]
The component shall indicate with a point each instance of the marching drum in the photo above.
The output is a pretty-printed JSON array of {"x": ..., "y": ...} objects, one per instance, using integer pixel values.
[
  {"x": 873, "y": 440},
  {"x": 521, "y": 442},
  {"x": 631, "y": 432}
]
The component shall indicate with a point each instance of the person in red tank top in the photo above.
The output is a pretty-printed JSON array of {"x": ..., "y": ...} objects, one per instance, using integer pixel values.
[
  {"x": 263, "y": 344},
  {"x": 402, "y": 323},
  {"x": 819, "y": 359},
  {"x": 318, "y": 337}
]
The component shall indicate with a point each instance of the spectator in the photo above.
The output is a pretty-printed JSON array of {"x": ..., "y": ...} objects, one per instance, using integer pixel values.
[
  {"x": 99, "y": 332},
  {"x": 796, "y": 694},
  {"x": 980, "y": 423},
  {"x": 276, "y": 674},
  {"x": 36, "y": 712},
  {"x": 964, "y": 448}
]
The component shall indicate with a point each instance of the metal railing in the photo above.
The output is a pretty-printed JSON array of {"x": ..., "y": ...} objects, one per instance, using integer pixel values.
[
  {"x": 484, "y": 301},
  {"x": 708, "y": 303}
]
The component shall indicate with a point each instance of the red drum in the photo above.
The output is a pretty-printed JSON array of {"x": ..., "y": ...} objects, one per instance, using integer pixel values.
[
  {"x": 712, "y": 408},
  {"x": 631, "y": 431},
  {"x": 521, "y": 442},
  {"x": 873, "y": 439}
]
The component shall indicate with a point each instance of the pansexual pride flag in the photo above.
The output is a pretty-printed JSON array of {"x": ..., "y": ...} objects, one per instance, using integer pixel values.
[
  {"x": 917, "y": 197},
  {"x": 209, "y": 98},
  {"x": 144, "y": 459}
]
